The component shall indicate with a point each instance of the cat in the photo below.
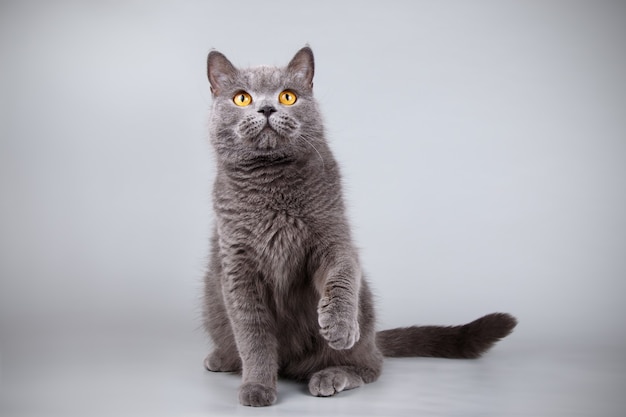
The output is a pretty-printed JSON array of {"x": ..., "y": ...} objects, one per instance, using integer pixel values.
[{"x": 284, "y": 291}]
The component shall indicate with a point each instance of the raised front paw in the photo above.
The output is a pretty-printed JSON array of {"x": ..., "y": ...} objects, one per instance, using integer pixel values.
[
  {"x": 256, "y": 395},
  {"x": 338, "y": 323}
]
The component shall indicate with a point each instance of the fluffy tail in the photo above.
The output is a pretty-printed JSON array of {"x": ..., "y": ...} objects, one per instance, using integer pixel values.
[{"x": 467, "y": 341}]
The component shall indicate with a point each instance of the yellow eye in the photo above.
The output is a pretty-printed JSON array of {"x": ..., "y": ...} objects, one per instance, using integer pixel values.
[
  {"x": 287, "y": 97},
  {"x": 242, "y": 99}
]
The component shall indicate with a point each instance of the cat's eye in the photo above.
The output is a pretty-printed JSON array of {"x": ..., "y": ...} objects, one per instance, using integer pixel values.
[
  {"x": 287, "y": 97},
  {"x": 242, "y": 99}
]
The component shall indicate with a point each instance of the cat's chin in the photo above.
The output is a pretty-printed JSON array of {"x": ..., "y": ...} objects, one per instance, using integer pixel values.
[{"x": 268, "y": 140}]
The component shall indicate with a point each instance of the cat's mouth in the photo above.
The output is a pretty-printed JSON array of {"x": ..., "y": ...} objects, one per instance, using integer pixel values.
[{"x": 266, "y": 134}]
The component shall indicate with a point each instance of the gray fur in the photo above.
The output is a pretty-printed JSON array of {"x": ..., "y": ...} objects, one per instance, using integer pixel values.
[{"x": 284, "y": 293}]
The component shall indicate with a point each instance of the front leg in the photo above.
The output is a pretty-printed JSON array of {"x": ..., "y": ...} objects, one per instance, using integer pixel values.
[
  {"x": 339, "y": 282},
  {"x": 254, "y": 330}
]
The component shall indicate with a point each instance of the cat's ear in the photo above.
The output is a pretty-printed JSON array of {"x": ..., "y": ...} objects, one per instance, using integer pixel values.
[
  {"x": 303, "y": 66},
  {"x": 220, "y": 71}
]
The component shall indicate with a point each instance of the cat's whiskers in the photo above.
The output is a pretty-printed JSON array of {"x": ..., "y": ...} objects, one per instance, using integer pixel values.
[{"x": 314, "y": 148}]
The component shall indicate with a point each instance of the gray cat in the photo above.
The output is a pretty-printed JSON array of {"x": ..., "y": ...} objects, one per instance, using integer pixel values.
[{"x": 285, "y": 294}]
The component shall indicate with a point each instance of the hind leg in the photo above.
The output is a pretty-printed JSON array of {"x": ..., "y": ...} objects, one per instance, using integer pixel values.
[
  {"x": 220, "y": 360},
  {"x": 224, "y": 357},
  {"x": 335, "y": 379}
]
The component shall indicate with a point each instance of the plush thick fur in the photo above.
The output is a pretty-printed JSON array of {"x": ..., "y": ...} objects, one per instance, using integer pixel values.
[{"x": 285, "y": 294}]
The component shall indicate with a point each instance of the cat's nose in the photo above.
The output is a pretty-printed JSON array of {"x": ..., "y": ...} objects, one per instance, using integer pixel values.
[{"x": 267, "y": 110}]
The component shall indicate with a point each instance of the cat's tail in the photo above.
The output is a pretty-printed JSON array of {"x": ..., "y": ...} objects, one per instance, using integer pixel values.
[{"x": 467, "y": 341}]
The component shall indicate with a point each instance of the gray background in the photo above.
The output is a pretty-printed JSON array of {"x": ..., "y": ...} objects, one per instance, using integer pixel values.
[{"x": 483, "y": 147}]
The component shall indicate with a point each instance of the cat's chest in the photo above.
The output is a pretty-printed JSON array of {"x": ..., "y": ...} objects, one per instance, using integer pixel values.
[
  {"x": 273, "y": 231},
  {"x": 278, "y": 240},
  {"x": 279, "y": 232},
  {"x": 274, "y": 224}
]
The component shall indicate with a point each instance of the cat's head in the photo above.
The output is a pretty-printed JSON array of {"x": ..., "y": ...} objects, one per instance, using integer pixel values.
[{"x": 264, "y": 112}]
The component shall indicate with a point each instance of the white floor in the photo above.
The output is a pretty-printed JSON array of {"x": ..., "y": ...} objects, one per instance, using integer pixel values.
[{"x": 113, "y": 374}]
